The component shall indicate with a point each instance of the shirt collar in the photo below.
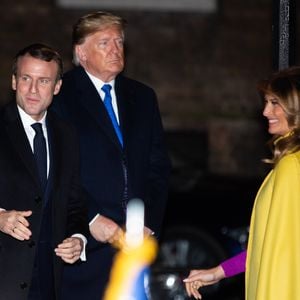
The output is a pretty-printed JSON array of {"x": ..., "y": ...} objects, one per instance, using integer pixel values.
[
  {"x": 27, "y": 120},
  {"x": 98, "y": 83}
]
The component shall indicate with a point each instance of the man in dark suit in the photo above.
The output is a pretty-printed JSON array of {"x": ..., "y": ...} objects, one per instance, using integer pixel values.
[
  {"x": 122, "y": 148},
  {"x": 43, "y": 215}
]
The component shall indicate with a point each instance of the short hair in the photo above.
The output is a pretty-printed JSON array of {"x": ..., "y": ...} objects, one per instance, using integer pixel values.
[
  {"x": 42, "y": 52},
  {"x": 92, "y": 23}
]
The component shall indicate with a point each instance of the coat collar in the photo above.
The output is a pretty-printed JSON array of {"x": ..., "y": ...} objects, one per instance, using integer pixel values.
[
  {"x": 89, "y": 99},
  {"x": 19, "y": 140}
]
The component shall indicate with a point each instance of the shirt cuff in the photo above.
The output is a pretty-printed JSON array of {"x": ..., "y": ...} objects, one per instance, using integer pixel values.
[
  {"x": 93, "y": 220},
  {"x": 83, "y": 252}
]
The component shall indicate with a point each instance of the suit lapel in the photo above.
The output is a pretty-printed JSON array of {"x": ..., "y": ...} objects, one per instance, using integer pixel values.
[
  {"x": 125, "y": 100},
  {"x": 92, "y": 102},
  {"x": 56, "y": 150},
  {"x": 19, "y": 140}
]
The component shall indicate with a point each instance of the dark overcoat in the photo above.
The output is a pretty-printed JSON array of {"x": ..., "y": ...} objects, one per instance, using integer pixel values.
[
  {"x": 20, "y": 190},
  {"x": 102, "y": 164}
]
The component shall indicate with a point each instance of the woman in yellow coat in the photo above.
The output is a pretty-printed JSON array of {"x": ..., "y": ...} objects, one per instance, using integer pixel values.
[
  {"x": 273, "y": 253},
  {"x": 273, "y": 256}
]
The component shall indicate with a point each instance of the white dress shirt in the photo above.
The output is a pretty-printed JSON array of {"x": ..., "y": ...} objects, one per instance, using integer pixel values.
[
  {"x": 27, "y": 121},
  {"x": 98, "y": 85}
]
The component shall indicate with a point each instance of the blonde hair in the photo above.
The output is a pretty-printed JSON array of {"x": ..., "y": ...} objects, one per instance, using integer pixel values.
[{"x": 92, "y": 23}]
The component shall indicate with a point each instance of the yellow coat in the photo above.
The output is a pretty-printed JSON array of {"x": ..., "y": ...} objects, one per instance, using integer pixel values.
[{"x": 273, "y": 255}]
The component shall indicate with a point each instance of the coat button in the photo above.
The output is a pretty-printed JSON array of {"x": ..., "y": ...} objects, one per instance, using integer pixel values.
[
  {"x": 31, "y": 243},
  {"x": 23, "y": 285},
  {"x": 38, "y": 199}
]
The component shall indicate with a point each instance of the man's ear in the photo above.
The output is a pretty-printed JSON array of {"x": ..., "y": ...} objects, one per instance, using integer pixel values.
[
  {"x": 80, "y": 53},
  {"x": 57, "y": 87},
  {"x": 13, "y": 82}
]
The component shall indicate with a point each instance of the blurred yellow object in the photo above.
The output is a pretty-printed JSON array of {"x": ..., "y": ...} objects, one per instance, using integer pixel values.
[{"x": 128, "y": 264}]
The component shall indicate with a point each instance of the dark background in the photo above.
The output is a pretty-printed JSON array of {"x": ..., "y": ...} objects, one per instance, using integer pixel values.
[{"x": 204, "y": 68}]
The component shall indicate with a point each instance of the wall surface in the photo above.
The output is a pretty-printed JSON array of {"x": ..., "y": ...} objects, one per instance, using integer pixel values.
[{"x": 203, "y": 66}]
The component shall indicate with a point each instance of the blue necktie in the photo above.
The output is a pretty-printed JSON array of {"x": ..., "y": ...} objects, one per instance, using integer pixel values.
[
  {"x": 107, "y": 102},
  {"x": 40, "y": 153}
]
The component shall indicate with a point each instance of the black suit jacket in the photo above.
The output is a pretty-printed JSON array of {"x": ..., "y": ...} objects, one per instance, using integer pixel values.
[
  {"x": 20, "y": 190},
  {"x": 102, "y": 157}
]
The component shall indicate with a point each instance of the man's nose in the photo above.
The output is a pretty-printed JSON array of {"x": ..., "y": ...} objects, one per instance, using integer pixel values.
[
  {"x": 33, "y": 87},
  {"x": 115, "y": 46}
]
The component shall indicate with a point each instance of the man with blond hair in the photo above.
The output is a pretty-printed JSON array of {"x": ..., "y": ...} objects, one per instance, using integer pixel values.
[{"x": 123, "y": 155}]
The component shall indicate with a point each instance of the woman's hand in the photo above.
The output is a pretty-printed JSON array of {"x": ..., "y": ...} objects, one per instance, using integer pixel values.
[{"x": 200, "y": 278}]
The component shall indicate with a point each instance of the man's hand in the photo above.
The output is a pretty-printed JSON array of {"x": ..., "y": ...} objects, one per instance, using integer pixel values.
[
  {"x": 147, "y": 232},
  {"x": 15, "y": 224},
  {"x": 106, "y": 230},
  {"x": 70, "y": 249}
]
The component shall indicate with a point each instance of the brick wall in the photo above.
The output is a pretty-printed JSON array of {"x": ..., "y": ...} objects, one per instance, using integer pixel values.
[{"x": 203, "y": 66}]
